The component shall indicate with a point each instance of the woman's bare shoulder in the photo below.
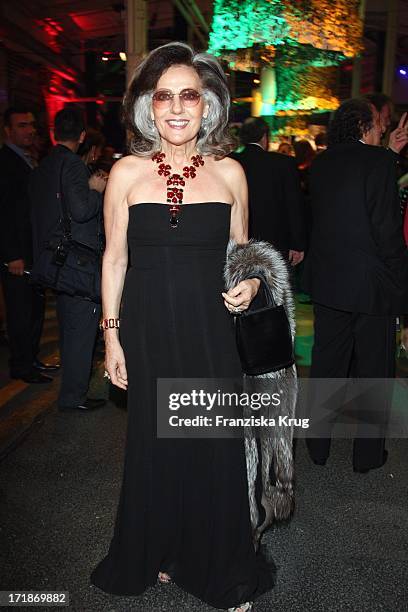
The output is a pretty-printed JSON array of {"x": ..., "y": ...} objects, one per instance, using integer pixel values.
[
  {"x": 231, "y": 173},
  {"x": 229, "y": 167},
  {"x": 128, "y": 167}
]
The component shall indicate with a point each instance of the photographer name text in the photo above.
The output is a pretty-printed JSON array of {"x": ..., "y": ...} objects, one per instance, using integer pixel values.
[{"x": 251, "y": 421}]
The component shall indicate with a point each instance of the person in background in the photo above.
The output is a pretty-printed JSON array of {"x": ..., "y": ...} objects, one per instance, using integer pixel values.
[
  {"x": 285, "y": 148},
  {"x": 107, "y": 159},
  {"x": 91, "y": 149},
  {"x": 383, "y": 105},
  {"x": 24, "y": 303},
  {"x": 304, "y": 155},
  {"x": 357, "y": 267},
  {"x": 321, "y": 142},
  {"x": 275, "y": 199},
  {"x": 63, "y": 172},
  {"x": 403, "y": 194},
  {"x": 42, "y": 144}
]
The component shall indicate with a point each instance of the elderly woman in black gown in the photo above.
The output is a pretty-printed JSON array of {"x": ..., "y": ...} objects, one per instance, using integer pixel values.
[{"x": 183, "y": 514}]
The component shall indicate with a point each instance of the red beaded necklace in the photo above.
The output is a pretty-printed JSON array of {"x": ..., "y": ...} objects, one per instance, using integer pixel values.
[{"x": 176, "y": 182}]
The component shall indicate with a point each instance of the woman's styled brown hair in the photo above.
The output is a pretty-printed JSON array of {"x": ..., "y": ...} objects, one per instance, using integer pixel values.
[{"x": 213, "y": 137}]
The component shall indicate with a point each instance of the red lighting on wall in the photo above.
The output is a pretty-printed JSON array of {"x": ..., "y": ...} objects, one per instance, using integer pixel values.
[
  {"x": 65, "y": 75},
  {"x": 52, "y": 29}
]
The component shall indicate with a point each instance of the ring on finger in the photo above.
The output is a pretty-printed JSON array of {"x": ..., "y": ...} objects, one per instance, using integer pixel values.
[
  {"x": 107, "y": 375},
  {"x": 236, "y": 310}
]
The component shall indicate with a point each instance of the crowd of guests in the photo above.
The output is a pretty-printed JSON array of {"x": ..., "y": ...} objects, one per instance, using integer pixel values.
[
  {"x": 349, "y": 221},
  {"x": 75, "y": 169},
  {"x": 289, "y": 190}
]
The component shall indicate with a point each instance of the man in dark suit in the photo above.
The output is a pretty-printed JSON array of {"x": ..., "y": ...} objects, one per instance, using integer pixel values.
[
  {"x": 24, "y": 304},
  {"x": 357, "y": 266},
  {"x": 275, "y": 198},
  {"x": 63, "y": 174}
]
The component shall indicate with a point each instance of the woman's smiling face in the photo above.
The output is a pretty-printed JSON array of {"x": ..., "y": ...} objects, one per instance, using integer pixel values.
[{"x": 179, "y": 122}]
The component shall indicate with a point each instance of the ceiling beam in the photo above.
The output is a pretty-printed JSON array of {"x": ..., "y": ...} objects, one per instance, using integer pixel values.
[
  {"x": 188, "y": 17},
  {"x": 192, "y": 6}
]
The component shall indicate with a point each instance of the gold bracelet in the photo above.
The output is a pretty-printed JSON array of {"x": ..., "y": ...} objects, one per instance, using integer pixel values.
[{"x": 109, "y": 324}]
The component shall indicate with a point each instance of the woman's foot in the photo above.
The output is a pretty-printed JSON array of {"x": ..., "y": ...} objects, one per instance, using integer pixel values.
[
  {"x": 164, "y": 578},
  {"x": 244, "y": 607}
]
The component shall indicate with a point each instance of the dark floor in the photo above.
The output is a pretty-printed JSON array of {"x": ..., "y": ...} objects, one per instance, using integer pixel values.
[{"x": 346, "y": 548}]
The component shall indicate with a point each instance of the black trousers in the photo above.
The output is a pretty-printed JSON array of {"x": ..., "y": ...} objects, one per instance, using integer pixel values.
[
  {"x": 25, "y": 317},
  {"x": 78, "y": 320},
  {"x": 352, "y": 344}
]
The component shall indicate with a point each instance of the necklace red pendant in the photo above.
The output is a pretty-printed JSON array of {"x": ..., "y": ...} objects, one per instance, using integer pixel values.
[{"x": 176, "y": 182}]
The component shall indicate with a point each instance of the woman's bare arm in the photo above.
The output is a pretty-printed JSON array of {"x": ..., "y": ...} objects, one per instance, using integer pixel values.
[
  {"x": 116, "y": 217},
  {"x": 239, "y": 213},
  {"x": 242, "y": 295}
]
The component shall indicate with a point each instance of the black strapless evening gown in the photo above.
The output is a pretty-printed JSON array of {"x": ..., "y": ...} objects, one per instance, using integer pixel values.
[{"x": 184, "y": 503}]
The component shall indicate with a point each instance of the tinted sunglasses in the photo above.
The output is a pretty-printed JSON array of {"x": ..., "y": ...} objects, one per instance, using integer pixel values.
[{"x": 164, "y": 98}]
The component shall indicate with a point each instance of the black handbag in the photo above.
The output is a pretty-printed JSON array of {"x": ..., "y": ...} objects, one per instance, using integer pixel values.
[
  {"x": 263, "y": 336},
  {"x": 67, "y": 265}
]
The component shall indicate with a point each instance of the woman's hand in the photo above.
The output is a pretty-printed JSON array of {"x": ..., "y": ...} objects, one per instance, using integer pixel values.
[
  {"x": 115, "y": 364},
  {"x": 239, "y": 298}
]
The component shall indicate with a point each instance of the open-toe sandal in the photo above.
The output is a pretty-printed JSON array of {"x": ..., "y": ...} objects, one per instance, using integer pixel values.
[
  {"x": 164, "y": 578},
  {"x": 244, "y": 607}
]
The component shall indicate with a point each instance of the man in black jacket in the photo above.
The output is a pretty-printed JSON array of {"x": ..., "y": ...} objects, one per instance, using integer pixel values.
[
  {"x": 24, "y": 304},
  {"x": 357, "y": 266},
  {"x": 275, "y": 198},
  {"x": 63, "y": 172}
]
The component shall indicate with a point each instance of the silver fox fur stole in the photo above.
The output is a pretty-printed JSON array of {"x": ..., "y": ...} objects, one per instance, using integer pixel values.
[{"x": 246, "y": 261}]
